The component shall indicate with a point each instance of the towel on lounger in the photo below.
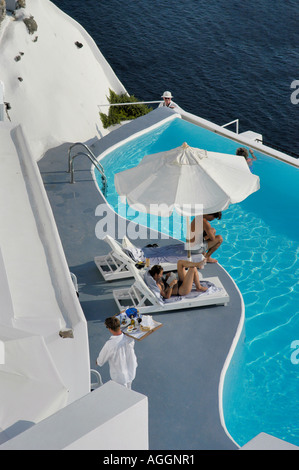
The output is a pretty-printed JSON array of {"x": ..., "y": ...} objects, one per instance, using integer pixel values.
[{"x": 159, "y": 254}]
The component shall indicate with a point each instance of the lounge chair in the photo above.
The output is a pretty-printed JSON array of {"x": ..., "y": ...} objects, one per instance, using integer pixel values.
[
  {"x": 144, "y": 295},
  {"x": 114, "y": 265}
]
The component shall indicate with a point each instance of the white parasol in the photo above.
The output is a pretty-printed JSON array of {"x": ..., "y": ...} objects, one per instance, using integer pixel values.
[{"x": 189, "y": 180}]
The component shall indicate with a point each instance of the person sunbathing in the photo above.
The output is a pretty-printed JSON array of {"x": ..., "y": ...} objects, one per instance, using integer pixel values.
[{"x": 187, "y": 275}]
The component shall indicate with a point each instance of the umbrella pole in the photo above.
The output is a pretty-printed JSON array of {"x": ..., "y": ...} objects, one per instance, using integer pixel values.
[{"x": 188, "y": 237}]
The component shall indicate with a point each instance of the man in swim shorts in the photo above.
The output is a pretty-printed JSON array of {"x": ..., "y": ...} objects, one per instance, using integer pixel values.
[
  {"x": 211, "y": 241},
  {"x": 209, "y": 234}
]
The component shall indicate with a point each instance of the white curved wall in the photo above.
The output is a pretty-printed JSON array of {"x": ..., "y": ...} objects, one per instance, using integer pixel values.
[{"x": 54, "y": 89}]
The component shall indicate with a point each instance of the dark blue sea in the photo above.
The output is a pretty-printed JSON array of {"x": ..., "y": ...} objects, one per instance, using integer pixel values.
[{"x": 221, "y": 59}]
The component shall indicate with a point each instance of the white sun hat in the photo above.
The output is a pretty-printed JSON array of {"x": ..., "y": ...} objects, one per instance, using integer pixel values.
[{"x": 167, "y": 94}]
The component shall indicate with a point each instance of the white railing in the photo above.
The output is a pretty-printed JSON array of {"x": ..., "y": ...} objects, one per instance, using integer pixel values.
[
  {"x": 129, "y": 103},
  {"x": 236, "y": 121}
]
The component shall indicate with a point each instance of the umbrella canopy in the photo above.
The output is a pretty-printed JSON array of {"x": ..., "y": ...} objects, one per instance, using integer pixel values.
[
  {"x": 30, "y": 386},
  {"x": 187, "y": 179}
]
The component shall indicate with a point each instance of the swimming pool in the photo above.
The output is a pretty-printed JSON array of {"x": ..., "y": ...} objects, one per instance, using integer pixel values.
[{"x": 260, "y": 252}]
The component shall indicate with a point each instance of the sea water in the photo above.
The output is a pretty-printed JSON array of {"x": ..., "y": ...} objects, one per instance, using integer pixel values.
[
  {"x": 260, "y": 252},
  {"x": 221, "y": 59}
]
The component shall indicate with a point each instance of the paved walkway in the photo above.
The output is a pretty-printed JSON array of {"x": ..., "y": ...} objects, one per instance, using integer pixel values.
[{"x": 179, "y": 365}]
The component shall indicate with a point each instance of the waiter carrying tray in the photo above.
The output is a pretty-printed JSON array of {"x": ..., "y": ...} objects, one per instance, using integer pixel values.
[{"x": 119, "y": 352}]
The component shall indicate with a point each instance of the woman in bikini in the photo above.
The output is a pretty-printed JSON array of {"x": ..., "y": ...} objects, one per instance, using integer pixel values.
[{"x": 187, "y": 275}]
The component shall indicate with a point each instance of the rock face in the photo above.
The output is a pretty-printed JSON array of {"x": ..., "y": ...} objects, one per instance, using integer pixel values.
[{"x": 2, "y": 10}]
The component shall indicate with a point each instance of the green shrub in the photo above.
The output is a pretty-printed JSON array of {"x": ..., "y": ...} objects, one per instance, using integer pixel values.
[{"x": 122, "y": 113}]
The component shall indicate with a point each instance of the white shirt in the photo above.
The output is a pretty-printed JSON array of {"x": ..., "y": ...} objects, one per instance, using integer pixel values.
[
  {"x": 119, "y": 352},
  {"x": 171, "y": 105}
]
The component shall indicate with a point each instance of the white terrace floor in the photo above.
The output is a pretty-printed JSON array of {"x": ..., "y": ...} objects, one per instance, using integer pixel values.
[{"x": 180, "y": 365}]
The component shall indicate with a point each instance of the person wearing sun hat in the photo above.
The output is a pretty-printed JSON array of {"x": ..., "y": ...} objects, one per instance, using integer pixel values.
[{"x": 167, "y": 100}]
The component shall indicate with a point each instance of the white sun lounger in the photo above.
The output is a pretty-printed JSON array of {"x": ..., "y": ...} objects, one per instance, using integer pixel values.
[
  {"x": 149, "y": 300},
  {"x": 114, "y": 265}
]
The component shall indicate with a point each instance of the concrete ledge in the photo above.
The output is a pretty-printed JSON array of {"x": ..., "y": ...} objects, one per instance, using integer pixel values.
[
  {"x": 37, "y": 293},
  {"x": 1, "y": 101},
  {"x": 109, "y": 418},
  {"x": 244, "y": 138},
  {"x": 264, "y": 441}
]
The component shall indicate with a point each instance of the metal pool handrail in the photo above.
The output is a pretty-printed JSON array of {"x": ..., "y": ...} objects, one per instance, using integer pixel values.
[{"x": 89, "y": 154}]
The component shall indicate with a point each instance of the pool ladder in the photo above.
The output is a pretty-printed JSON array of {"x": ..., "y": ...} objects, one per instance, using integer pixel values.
[{"x": 89, "y": 154}]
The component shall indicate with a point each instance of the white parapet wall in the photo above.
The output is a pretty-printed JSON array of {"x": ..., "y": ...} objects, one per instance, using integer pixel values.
[
  {"x": 249, "y": 138},
  {"x": 37, "y": 295},
  {"x": 109, "y": 418},
  {"x": 1, "y": 101}
]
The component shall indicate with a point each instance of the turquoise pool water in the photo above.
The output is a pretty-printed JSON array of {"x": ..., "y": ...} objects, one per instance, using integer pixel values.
[{"x": 260, "y": 252}]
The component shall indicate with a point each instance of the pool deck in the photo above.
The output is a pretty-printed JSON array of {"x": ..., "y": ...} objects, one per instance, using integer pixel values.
[{"x": 179, "y": 365}]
